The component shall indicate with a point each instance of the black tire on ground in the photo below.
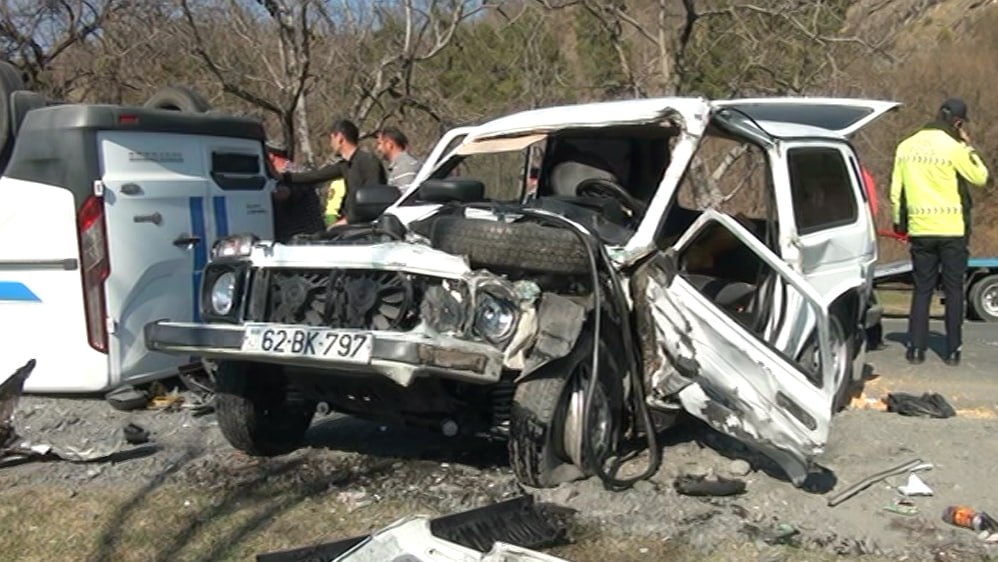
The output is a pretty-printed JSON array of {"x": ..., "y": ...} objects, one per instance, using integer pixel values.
[
  {"x": 539, "y": 414},
  {"x": 510, "y": 246},
  {"x": 10, "y": 82},
  {"x": 21, "y": 102},
  {"x": 178, "y": 98},
  {"x": 982, "y": 299},
  {"x": 256, "y": 413}
]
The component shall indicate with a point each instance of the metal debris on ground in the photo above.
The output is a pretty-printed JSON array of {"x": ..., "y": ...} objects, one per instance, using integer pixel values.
[
  {"x": 16, "y": 450},
  {"x": 910, "y": 466},
  {"x": 501, "y": 532}
]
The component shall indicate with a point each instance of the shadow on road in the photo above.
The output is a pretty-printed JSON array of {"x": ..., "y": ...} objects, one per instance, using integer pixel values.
[
  {"x": 345, "y": 433},
  {"x": 936, "y": 343}
]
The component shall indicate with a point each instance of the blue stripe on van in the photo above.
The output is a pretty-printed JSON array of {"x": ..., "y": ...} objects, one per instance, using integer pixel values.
[
  {"x": 200, "y": 253},
  {"x": 18, "y": 292},
  {"x": 221, "y": 216}
]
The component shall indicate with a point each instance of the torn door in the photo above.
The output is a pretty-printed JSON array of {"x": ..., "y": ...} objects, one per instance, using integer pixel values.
[{"x": 743, "y": 357}]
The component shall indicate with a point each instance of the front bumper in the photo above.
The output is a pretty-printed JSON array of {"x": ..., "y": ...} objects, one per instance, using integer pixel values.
[{"x": 398, "y": 356}]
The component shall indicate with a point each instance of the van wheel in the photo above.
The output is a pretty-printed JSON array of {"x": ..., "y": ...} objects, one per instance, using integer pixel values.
[
  {"x": 178, "y": 98},
  {"x": 546, "y": 419},
  {"x": 983, "y": 297},
  {"x": 256, "y": 412}
]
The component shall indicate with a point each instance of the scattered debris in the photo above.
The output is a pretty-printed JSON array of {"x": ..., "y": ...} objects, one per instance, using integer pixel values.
[
  {"x": 931, "y": 405},
  {"x": 10, "y": 392},
  {"x": 902, "y": 506},
  {"x": 781, "y": 534},
  {"x": 910, "y": 466},
  {"x": 705, "y": 486},
  {"x": 968, "y": 518},
  {"x": 915, "y": 487},
  {"x": 164, "y": 399},
  {"x": 135, "y": 434},
  {"x": 485, "y": 534},
  {"x": 16, "y": 450},
  {"x": 127, "y": 398}
]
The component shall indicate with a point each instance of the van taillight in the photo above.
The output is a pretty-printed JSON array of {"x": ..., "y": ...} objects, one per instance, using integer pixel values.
[{"x": 95, "y": 269}]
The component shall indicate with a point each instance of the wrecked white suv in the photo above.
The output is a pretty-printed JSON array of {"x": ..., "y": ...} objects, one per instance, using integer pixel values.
[{"x": 561, "y": 277}]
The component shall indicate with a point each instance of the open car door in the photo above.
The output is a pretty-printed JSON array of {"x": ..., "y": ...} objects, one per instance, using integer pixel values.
[
  {"x": 752, "y": 366},
  {"x": 844, "y": 116}
]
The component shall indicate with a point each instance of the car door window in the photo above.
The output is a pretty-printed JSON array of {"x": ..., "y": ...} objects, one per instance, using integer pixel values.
[{"x": 821, "y": 188}]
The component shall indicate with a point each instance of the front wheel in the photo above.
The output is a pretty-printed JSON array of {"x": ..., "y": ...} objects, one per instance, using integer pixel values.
[
  {"x": 256, "y": 412},
  {"x": 546, "y": 420},
  {"x": 983, "y": 299}
]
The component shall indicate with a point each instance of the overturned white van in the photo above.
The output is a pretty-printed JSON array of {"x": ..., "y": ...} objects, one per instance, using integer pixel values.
[{"x": 107, "y": 218}]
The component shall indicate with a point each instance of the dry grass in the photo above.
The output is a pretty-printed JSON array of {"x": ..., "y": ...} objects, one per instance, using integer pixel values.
[{"x": 178, "y": 523}]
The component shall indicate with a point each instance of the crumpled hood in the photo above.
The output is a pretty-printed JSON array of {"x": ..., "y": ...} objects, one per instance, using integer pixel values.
[{"x": 392, "y": 256}]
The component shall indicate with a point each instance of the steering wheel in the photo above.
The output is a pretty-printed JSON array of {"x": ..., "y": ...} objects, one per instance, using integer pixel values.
[{"x": 600, "y": 187}]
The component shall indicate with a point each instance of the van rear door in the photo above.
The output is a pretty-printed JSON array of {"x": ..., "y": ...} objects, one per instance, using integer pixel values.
[{"x": 157, "y": 211}]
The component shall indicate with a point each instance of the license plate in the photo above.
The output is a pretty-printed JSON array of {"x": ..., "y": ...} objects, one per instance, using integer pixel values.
[{"x": 323, "y": 343}]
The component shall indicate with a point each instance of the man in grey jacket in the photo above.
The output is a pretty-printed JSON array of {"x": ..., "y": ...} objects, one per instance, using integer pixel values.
[{"x": 393, "y": 147}]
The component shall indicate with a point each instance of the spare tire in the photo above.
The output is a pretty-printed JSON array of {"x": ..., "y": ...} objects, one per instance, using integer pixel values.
[
  {"x": 509, "y": 246},
  {"x": 178, "y": 98}
]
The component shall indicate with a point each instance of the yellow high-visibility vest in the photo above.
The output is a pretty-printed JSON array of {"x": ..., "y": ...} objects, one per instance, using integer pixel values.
[
  {"x": 927, "y": 168},
  {"x": 335, "y": 192}
]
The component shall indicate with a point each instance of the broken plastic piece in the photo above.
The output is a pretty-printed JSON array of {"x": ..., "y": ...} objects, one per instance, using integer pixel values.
[
  {"x": 915, "y": 487},
  {"x": 135, "y": 434}
]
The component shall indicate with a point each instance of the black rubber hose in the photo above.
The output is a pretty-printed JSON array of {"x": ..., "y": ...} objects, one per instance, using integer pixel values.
[{"x": 610, "y": 481}]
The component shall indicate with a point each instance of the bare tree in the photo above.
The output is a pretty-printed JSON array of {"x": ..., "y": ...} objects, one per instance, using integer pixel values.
[
  {"x": 237, "y": 47},
  {"x": 33, "y": 34},
  {"x": 389, "y": 42}
]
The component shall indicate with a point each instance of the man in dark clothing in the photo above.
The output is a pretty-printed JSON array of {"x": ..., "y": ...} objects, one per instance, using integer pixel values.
[
  {"x": 359, "y": 168},
  {"x": 295, "y": 211}
]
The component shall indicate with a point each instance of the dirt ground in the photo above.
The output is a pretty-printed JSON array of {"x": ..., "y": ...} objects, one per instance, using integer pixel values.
[{"x": 189, "y": 496}]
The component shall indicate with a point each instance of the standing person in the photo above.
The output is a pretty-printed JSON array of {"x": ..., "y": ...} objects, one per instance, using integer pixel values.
[
  {"x": 393, "y": 147},
  {"x": 930, "y": 202},
  {"x": 296, "y": 208},
  {"x": 358, "y": 167}
]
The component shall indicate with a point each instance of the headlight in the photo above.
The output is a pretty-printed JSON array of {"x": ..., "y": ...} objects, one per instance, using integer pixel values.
[
  {"x": 237, "y": 246},
  {"x": 223, "y": 293},
  {"x": 495, "y": 319}
]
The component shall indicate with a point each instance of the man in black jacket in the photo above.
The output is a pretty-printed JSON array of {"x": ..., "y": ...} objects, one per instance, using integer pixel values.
[{"x": 359, "y": 168}]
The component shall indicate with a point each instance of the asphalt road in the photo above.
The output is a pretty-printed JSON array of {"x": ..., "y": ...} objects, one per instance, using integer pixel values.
[{"x": 973, "y": 385}]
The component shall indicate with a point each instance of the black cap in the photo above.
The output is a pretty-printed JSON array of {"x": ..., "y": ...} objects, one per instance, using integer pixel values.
[{"x": 956, "y": 108}]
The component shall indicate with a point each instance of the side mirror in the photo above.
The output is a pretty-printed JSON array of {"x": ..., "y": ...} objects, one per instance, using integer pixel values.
[
  {"x": 369, "y": 202},
  {"x": 450, "y": 190}
]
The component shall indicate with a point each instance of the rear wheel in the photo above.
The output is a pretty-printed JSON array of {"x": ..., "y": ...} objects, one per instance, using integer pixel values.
[
  {"x": 546, "y": 421},
  {"x": 983, "y": 298},
  {"x": 256, "y": 412}
]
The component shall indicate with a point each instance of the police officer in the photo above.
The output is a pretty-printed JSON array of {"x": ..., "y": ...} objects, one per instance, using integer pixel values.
[{"x": 930, "y": 201}]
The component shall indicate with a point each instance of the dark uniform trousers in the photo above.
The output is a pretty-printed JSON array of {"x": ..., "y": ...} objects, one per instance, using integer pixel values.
[{"x": 929, "y": 256}]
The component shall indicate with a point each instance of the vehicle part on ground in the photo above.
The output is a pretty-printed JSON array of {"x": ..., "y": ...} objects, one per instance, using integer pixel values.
[
  {"x": 508, "y": 246},
  {"x": 257, "y": 411},
  {"x": 492, "y": 529},
  {"x": 910, "y": 466},
  {"x": 10, "y": 392},
  {"x": 127, "y": 398},
  {"x": 983, "y": 298},
  {"x": 703, "y": 486},
  {"x": 178, "y": 98}
]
